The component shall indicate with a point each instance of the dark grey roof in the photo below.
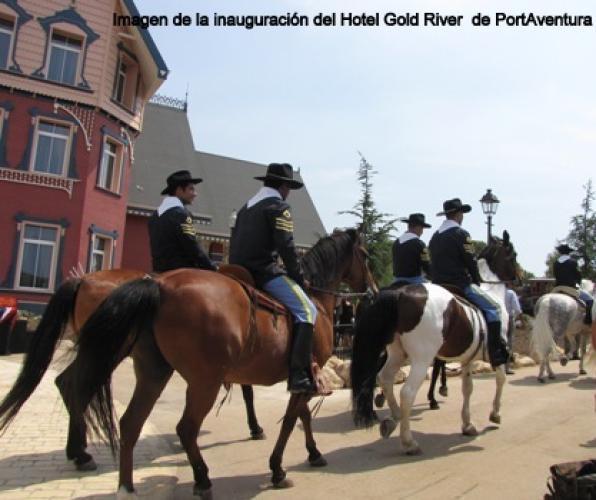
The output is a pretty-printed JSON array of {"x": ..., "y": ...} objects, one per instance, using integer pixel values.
[{"x": 166, "y": 145}]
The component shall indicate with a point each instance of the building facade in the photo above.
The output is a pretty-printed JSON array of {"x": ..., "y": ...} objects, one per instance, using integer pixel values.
[
  {"x": 165, "y": 146},
  {"x": 73, "y": 90}
]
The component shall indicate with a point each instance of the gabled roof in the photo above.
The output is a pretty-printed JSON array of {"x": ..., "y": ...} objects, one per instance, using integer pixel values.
[
  {"x": 150, "y": 51},
  {"x": 166, "y": 145}
]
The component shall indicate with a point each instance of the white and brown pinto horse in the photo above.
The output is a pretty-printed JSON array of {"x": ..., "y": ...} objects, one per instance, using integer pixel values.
[
  {"x": 559, "y": 316},
  {"x": 419, "y": 323}
]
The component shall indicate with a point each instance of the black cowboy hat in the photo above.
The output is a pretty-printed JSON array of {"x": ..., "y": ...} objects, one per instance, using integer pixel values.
[
  {"x": 454, "y": 205},
  {"x": 281, "y": 172},
  {"x": 179, "y": 178},
  {"x": 565, "y": 249},
  {"x": 415, "y": 220}
]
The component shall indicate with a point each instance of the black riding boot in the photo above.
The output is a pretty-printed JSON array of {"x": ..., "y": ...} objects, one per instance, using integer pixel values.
[
  {"x": 497, "y": 347},
  {"x": 588, "y": 318},
  {"x": 300, "y": 379}
]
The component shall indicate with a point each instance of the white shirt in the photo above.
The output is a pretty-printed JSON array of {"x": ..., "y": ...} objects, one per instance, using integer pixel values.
[
  {"x": 264, "y": 192},
  {"x": 407, "y": 236},
  {"x": 167, "y": 203},
  {"x": 447, "y": 224},
  {"x": 512, "y": 303},
  {"x": 563, "y": 258}
]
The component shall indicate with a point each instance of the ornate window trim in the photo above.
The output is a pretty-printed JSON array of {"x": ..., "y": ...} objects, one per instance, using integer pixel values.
[
  {"x": 21, "y": 17},
  {"x": 69, "y": 16}
]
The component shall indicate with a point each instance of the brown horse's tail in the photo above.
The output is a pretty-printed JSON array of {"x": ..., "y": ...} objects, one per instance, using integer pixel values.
[
  {"x": 374, "y": 330},
  {"x": 105, "y": 340},
  {"x": 41, "y": 349}
]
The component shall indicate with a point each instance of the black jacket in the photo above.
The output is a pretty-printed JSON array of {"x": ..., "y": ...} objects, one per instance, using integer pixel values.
[
  {"x": 567, "y": 273},
  {"x": 174, "y": 243},
  {"x": 453, "y": 259},
  {"x": 410, "y": 258},
  {"x": 263, "y": 233}
]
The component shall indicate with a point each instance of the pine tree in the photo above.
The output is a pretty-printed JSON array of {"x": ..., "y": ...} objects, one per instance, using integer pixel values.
[
  {"x": 374, "y": 225},
  {"x": 582, "y": 235}
]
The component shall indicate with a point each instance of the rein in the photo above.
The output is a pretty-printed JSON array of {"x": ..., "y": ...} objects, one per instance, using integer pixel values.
[{"x": 336, "y": 293}]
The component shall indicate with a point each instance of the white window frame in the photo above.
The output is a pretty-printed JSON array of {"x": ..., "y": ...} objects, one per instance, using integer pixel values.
[
  {"x": 132, "y": 67},
  {"x": 68, "y": 48},
  {"x": 106, "y": 261},
  {"x": 121, "y": 75},
  {"x": 53, "y": 264},
  {"x": 11, "y": 33},
  {"x": 67, "y": 149},
  {"x": 118, "y": 161}
]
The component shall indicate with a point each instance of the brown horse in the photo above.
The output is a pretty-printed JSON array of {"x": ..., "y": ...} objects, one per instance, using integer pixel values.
[
  {"x": 209, "y": 329},
  {"x": 67, "y": 311}
]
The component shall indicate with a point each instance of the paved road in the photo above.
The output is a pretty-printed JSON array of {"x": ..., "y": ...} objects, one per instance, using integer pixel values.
[{"x": 541, "y": 425}]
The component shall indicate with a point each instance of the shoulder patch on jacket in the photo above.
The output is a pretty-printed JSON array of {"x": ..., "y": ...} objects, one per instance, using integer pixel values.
[{"x": 283, "y": 221}]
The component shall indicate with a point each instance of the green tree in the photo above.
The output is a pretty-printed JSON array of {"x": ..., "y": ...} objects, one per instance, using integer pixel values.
[
  {"x": 582, "y": 235},
  {"x": 550, "y": 261},
  {"x": 374, "y": 225}
]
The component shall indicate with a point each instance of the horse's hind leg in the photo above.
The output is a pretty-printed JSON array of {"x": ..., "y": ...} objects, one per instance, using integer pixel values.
[
  {"x": 386, "y": 377},
  {"x": 500, "y": 378},
  {"x": 407, "y": 397},
  {"x": 467, "y": 386},
  {"x": 433, "y": 382},
  {"x": 151, "y": 378},
  {"x": 315, "y": 458},
  {"x": 200, "y": 396},
  {"x": 583, "y": 346},
  {"x": 76, "y": 443},
  {"x": 256, "y": 431},
  {"x": 295, "y": 407}
]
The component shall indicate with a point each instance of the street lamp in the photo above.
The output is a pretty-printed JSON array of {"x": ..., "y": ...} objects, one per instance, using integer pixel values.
[{"x": 489, "y": 203}]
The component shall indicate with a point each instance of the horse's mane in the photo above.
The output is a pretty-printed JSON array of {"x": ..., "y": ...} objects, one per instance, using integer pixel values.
[{"x": 321, "y": 263}]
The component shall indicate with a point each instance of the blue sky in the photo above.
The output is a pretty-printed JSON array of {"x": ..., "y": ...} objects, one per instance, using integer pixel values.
[{"x": 439, "y": 112}]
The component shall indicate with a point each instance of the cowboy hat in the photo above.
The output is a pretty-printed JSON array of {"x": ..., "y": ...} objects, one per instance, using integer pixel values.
[
  {"x": 179, "y": 178},
  {"x": 454, "y": 205},
  {"x": 281, "y": 172},
  {"x": 565, "y": 249},
  {"x": 415, "y": 220}
]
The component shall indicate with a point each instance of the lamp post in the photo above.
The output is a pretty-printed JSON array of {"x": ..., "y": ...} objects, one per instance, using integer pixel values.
[{"x": 489, "y": 203}]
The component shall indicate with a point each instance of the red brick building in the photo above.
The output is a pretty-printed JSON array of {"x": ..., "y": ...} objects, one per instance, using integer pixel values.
[{"x": 73, "y": 90}]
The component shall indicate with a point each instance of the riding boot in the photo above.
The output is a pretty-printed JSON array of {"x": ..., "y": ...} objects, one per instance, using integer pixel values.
[
  {"x": 497, "y": 347},
  {"x": 588, "y": 318},
  {"x": 300, "y": 379}
]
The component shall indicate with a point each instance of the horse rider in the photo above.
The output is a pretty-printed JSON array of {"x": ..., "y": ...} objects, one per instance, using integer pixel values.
[
  {"x": 567, "y": 274},
  {"x": 514, "y": 312},
  {"x": 454, "y": 263},
  {"x": 173, "y": 237},
  {"x": 264, "y": 231},
  {"x": 410, "y": 255}
]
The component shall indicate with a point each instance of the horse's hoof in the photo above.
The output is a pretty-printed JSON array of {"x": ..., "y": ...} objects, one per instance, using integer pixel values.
[
  {"x": 563, "y": 360},
  {"x": 583, "y": 372},
  {"x": 469, "y": 430},
  {"x": 205, "y": 494},
  {"x": 433, "y": 405},
  {"x": 541, "y": 380},
  {"x": 283, "y": 484},
  {"x": 552, "y": 377},
  {"x": 443, "y": 391},
  {"x": 387, "y": 426},
  {"x": 258, "y": 436},
  {"x": 495, "y": 419},
  {"x": 413, "y": 449},
  {"x": 379, "y": 400},
  {"x": 87, "y": 466},
  {"x": 124, "y": 494},
  {"x": 318, "y": 462}
]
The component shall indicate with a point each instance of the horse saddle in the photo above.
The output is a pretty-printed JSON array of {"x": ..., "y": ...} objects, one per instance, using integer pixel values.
[
  {"x": 261, "y": 299},
  {"x": 570, "y": 292}
]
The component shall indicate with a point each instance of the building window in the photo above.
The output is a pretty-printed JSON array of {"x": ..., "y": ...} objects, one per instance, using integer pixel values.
[
  {"x": 65, "y": 53},
  {"x": 216, "y": 252},
  {"x": 37, "y": 256},
  {"x": 110, "y": 169},
  {"x": 6, "y": 37},
  {"x": 101, "y": 253},
  {"x": 126, "y": 80},
  {"x": 52, "y": 147}
]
